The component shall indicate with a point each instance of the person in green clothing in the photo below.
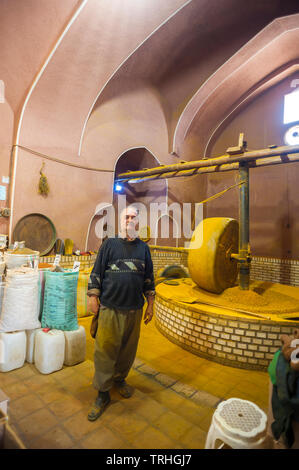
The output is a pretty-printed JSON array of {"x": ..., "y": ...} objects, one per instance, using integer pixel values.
[{"x": 122, "y": 277}]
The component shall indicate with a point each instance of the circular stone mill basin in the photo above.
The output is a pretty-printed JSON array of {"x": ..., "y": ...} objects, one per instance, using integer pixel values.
[{"x": 237, "y": 327}]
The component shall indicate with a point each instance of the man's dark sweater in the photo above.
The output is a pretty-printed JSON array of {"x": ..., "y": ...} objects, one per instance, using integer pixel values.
[{"x": 122, "y": 274}]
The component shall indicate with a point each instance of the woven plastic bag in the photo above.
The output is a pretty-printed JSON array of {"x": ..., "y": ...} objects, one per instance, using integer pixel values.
[
  {"x": 41, "y": 290},
  {"x": 60, "y": 301},
  {"x": 19, "y": 310},
  {"x": 82, "y": 293}
]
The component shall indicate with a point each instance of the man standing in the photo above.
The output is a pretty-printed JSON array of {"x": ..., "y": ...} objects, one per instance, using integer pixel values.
[{"x": 122, "y": 275}]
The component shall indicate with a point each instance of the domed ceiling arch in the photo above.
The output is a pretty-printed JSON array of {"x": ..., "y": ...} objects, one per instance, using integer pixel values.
[
  {"x": 268, "y": 58},
  {"x": 179, "y": 60}
]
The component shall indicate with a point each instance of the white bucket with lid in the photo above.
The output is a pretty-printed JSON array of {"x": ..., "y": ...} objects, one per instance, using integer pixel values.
[
  {"x": 12, "y": 350},
  {"x": 49, "y": 350},
  {"x": 31, "y": 344},
  {"x": 75, "y": 346}
]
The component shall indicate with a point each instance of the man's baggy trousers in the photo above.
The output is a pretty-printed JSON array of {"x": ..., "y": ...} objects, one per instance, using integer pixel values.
[{"x": 115, "y": 345}]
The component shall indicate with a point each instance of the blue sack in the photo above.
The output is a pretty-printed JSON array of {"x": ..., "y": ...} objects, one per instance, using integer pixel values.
[{"x": 60, "y": 301}]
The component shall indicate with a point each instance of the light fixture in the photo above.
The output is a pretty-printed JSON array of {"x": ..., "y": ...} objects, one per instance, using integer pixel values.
[
  {"x": 291, "y": 136},
  {"x": 291, "y": 107},
  {"x": 118, "y": 187}
]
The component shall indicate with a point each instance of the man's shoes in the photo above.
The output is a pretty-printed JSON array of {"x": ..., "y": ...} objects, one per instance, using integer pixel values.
[
  {"x": 99, "y": 406},
  {"x": 124, "y": 389}
]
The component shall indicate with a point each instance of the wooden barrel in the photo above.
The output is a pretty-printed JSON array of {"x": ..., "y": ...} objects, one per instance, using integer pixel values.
[{"x": 209, "y": 262}]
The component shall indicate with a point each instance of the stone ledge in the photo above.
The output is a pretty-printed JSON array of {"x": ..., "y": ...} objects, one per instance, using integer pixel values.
[{"x": 186, "y": 391}]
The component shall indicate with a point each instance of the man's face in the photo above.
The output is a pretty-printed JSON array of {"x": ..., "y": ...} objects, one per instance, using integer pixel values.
[{"x": 129, "y": 222}]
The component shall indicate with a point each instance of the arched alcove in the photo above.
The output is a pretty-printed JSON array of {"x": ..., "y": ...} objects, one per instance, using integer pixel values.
[
  {"x": 97, "y": 227},
  {"x": 166, "y": 225},
  {"x": 147, "y": 193}
]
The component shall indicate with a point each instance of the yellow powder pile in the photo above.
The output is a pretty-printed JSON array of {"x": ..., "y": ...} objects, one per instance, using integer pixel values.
[
  {"x": 21, "y": 251},
  {"x": 250, "y": 298},
  {"x": 262, "y": 297}
]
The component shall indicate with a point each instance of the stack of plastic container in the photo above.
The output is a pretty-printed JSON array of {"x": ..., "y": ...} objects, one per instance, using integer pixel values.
[{"x": 22, "y": 314}]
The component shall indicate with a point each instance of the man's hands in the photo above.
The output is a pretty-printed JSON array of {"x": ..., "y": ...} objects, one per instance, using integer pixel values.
[
  {"x": 149, "y": 311},
  {"x": 93, "y": 304},
  {"x": 148, "y": 315}
]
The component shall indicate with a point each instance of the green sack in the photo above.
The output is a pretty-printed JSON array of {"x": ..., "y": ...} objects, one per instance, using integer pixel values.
[
  {"x": 272, "y": 367},
  {"x": 60, "y": 301}
]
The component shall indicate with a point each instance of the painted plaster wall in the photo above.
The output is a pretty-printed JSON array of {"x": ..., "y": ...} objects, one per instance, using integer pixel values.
[
  {"x": 59, "y": 105},
  {"x": 6, "y": 133}
]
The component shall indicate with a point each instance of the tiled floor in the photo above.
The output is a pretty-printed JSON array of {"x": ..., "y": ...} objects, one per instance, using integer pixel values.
[{"x": 175, "y": 397}]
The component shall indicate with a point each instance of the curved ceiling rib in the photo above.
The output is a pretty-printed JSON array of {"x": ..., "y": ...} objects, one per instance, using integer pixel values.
[
  {"x": 234, "y": 81},
  {"x": 121, "y": 65},
  {"x": 269, "y": 81}
]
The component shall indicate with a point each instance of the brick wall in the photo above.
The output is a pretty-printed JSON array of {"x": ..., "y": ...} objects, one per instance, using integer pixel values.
[
  {"x": 247, "y": 343},
  {"x": 283, "y": 271},
  {"x": 164, "y": 256}
]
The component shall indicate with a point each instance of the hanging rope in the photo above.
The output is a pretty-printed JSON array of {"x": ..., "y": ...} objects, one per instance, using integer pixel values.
[
  {"x": 215, "y": 196},
  {"x": 221, "y": 192}
]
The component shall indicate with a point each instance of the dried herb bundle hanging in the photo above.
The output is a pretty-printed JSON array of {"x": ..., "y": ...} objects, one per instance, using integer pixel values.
[{"x": 43, "y": 187}]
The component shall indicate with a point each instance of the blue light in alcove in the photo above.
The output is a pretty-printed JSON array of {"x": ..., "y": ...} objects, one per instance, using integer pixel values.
[{"x": 118, "y": 187}]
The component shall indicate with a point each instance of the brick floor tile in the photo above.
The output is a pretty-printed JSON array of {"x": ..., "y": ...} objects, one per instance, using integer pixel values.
[
  {"x": 86, "y": 395},
  {"x": 36, "y": 424},
  {"x": 165, "y": 380},
  {"x": 168, "y": 398},
  {"x": 64, "y": 373},
  {"x": 23, "y": 406},
  {"x": 86, "y": 368},
  {"x": 128, "y": 425},
  {"x": 78, "y": 426},
  {"x": 50, "y": 394},
  {"x": 75, "y": 382},
  {"x": 28, "y": 370},
  {"x": 63, "y": 408},
  {"x": 8, "y": 378},
  {"x": 37, "y": 381},
  {"x": 192, "y": 412},
  {"x": 205, "y": 422},
  {"x": 197, "y": 381},
  {"x": 145, "y": 384},
  {"x": 183, "y": 389},
  {"x": 145, "y": 369},
  {"x": 104, "y": 438},
  {"x": 218, "y": 389},
  {"x": 114, "y": 410},
  {"x": 194, "y": 438},
  {"x": 57, "y": 438},
  {"x": 16, "y": 390},
  {"x": 137, "y": 362},
  {"x": 152, "y": 438},
  {"x": 172, "y": 425},
  {"x": 148, "y": 408},
  {"x": 205, "y": 399}
]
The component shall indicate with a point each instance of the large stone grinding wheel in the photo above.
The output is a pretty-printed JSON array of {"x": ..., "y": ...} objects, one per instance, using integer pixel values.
[{"x": 209, "y": 258}]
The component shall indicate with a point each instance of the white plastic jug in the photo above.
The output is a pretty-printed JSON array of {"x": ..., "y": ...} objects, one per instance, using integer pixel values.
[
  {"x": 30, "y": 344},
  {"x": 12, "y": 350},
  {"x": 49, "y": 350},
  {"x": 75, "y": 346}
]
